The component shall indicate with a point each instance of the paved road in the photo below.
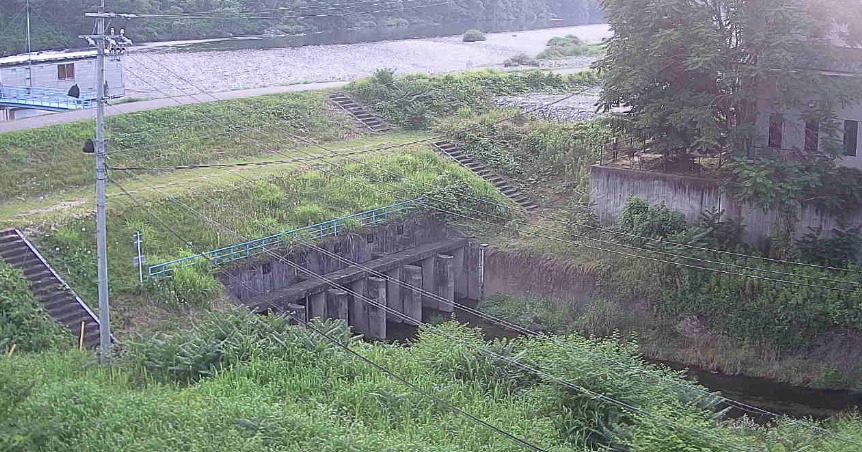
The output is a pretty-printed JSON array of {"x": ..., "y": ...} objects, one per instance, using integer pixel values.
[{"x": 131, "y": 107}]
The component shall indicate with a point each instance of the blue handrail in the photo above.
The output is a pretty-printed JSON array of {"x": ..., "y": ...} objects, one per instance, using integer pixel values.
[
  {"x": 262, "y": 245},
  {"x": 48, "y": 98}
]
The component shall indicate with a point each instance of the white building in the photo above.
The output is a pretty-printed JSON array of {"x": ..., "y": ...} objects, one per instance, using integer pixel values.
[
  {"x": 786, "y": 130},
  {"x": 50, "y": 75}
]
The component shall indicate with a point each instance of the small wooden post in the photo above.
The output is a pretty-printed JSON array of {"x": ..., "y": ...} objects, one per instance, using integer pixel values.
[{"x": 81, "y": 338}]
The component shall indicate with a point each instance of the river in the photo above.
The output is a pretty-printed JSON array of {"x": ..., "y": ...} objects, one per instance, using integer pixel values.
[
  {"x": 767, "y": 395},
  {"x": 176, "y": 68}
]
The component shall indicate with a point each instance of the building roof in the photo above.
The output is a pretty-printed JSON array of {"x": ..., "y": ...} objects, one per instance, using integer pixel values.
[{"x": 46, "y": 57}]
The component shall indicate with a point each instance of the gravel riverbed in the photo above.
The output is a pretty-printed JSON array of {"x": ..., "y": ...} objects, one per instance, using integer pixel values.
[{"x": 169, "y": 71}]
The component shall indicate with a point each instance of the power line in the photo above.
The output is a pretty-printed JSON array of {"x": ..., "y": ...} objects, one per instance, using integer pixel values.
[
  {"x": 763, "y": 411},
  {"x": 695, "y": 259},
  {"x": 387, "y": 371},
  {"x": 240, "y": 176},
  {"x": 795, "y": 283},
  {"x": 541, "y": 374}
]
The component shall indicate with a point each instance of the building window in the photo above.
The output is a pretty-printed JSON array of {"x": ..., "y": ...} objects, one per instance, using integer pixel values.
[
  {"x": 66, "y": 71},
  {"x": 267, "y": 268},
  {"x": 776, "y": 130},
  {"x": 851, "y": 138},
  {"x": 399, "y": 229},
  {"x": 812, "y": 135},
  {"x": 369, "y": 237}
]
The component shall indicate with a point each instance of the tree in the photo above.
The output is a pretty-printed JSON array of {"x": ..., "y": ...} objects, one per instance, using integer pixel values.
[{"x": 690, "y": 70}]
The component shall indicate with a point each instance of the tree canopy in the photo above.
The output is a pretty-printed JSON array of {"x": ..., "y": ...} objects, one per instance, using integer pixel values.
[
  {"x": 57, "y": 23},
  {"x": 691, "y": 70}
]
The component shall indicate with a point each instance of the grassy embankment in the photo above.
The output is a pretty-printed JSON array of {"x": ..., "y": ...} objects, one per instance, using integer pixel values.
[
  {"x": 730, "y": 322},
  {"x": 242, "y": 382},
  {"x": 45, "y": 170}
]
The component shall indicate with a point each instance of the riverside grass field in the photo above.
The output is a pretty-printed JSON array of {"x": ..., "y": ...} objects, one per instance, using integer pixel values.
[{"x": 238, "y": 382}]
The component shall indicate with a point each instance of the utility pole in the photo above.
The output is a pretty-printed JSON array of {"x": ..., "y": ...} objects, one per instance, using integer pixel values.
[
  {"x": 29, "y": 50},
  {"x": 101, "y": 202}
]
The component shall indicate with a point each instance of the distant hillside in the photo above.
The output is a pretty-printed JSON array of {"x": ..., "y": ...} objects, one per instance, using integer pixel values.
[{"x": 57, "y": 23}]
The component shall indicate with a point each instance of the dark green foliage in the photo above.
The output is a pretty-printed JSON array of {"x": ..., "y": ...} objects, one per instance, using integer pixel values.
[
  {"x": 640, "y": 219},
  {"x": 262, "y": 385},
  {"x": 473, "y": 36},
  {"x": 529, "y": 150},
  {"x": 57, "y": 23},
  {"x": 568, "y": 46},
  {"x": 785, "y": 186},
  {"x": 521, "y": 59},
  {"x": 415, "y": 101},
  {"x": 683, "y": 67},
  {"x": 223, "y": 341},
  {"x": 838, "y": 250},
  {"x": 23, "y": 323}
]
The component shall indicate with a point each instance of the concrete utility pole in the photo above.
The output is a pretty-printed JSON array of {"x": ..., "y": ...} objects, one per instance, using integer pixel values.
[
  {"x": 29, "y": 50},
  {"x": 101, "y": 202}
]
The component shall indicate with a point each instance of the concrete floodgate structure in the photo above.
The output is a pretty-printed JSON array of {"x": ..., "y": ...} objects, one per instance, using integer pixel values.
[{"x": 418, "y": 251}]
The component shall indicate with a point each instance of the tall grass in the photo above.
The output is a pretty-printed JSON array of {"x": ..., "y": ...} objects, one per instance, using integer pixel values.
[
  {"x": 238, "y": 382},
  {"x": 251, "y": 208}
]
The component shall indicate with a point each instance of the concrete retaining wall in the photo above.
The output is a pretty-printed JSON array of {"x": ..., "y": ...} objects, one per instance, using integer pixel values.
[
  {"x": 267, "y": 274},
  {"x": 611, "y": 187},
  {"x": 519, "y": 274}
]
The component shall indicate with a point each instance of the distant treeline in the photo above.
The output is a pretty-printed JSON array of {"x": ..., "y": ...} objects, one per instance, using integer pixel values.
[{"x": 57, "y": 23}]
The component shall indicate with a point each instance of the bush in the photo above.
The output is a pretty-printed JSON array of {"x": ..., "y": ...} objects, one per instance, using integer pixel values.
[
  {"x": 474, "y": 36},
  {"x": 638, "y": 218},
  {"x": 562, "y": 47},
  {"x": 23, "y": 323},
  {"x": 521, "y": 59},
  {"x": 840, "y": 249},
  {"x": 415, "y": 101}
]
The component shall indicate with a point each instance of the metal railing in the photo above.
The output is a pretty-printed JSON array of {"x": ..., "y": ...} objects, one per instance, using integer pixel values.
[
  {"x": 44, "y": 98},
  {"x": 262, "y": 245}
]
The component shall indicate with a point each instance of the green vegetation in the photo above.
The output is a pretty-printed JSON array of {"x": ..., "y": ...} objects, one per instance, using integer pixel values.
[
  {"x": 730, "y": 316},
  {"x": 260, "y": 384},
  {"x": 680, "y": 71},
  {"x": 474, "y": 36},
  {"x": 521, "y": 59},
  {"x": 562, "y": 47},
  {"x": 23, "y": 323},
  {"x": 415, "y": 101},
  {"x": 254, "y": 205},
  {"x": 58, "y": 23},
  {"x": 530, "y": 151},
  {"x": 41, "y": 161}
]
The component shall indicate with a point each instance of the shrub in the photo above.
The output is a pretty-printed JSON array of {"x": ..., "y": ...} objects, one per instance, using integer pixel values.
[
  {"x": 415, "y": 101},
  {"x": 840, "y": 249},
  {"x": 638, "y": 218},
  {"x": 521, "y": 59},
  {"x": 474, "y": 36}
]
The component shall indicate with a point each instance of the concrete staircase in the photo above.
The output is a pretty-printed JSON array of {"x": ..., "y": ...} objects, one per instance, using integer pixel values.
[
  {"x": 48, "y": 288},
  {"x": 455, "y": 152},
  {"x": 361, "y": 114}
]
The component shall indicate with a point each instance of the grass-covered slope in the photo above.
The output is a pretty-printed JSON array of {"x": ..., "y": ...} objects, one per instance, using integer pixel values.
[
  {"x": 23, "y": 323},
  {"x": 228, "y": 209},
  {"x": 243, "y": 383},
  {"x": 47, "y": 160}
]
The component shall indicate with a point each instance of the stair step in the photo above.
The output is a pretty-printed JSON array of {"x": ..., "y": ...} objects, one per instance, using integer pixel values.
[
  {"x": 14, "y": 249},
  {"x": 36, "y": 274},
  {"x": 59, "y": 303},
  {"x": 72, "y": 318},
  {"x": 66, "y": 309}
]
